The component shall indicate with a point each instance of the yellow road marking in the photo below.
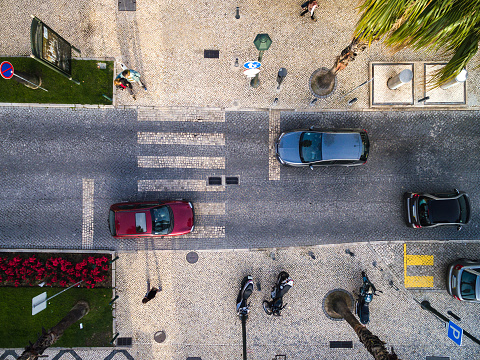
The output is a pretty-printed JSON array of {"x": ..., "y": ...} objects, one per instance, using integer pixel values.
[
  {"x": 419, "y": 259},
  {"x": 413, "y": 260},
  {"x": 418, "y": 281}
]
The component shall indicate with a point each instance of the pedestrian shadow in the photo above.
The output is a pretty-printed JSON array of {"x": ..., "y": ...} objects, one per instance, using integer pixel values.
[
  {"x": 129, "y": 40},
  {"x": 153, "y": 278}
]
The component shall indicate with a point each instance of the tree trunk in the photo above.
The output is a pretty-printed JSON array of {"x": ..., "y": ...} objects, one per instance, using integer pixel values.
[
  {"x": 374, "y": 345},
  {"x": 47, "y": 339},
  {"x": 326, "y": 81}
]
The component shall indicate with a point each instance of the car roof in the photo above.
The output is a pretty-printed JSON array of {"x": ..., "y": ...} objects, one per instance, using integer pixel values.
[
  {"x": 341, "y": 146},
  {"x": 444, "y": 211}
]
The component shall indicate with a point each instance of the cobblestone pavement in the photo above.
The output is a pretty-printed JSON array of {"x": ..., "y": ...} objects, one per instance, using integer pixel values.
[
  {"x": 165, "y": 41},
  {"x": 63, "y": 168},
  {"x": 196, "y": 305}
]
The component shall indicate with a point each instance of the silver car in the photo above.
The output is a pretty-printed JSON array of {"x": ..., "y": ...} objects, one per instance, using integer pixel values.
[{"x": 463, "y": 281}]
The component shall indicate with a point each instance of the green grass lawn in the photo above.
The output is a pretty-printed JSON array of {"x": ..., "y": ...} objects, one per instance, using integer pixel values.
[
  {"x": 93, "y": 83},
  {"x": 18, "y": 326}
]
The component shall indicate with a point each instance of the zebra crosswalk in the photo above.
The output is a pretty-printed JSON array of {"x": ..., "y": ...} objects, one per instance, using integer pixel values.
[{"x": 180, "y": 162}]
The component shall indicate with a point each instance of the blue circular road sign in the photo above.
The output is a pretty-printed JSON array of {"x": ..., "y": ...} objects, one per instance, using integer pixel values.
[
  {"x": 252, "y": 65},
  {"x": 6, "y": 70}
]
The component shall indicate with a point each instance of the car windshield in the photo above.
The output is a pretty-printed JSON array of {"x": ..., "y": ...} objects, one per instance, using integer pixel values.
[
  {"x": 310, "y": 147},
  {"x": 423, "y": 211},
  {"x": 111, "y": 223},
  {"x": 162, "y": 220},
  {"x": 464, "y": 209},
  {"x": 467, "y": 285}
]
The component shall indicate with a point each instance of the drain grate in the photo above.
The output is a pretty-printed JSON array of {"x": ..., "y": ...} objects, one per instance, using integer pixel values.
[
  {"x": 437, "y": 358},
  {"x": 341, "y": 344},
  {"x": 124, "y": 341},
  {"x": 127, "y": 5},
  {"x": 214, "y": 180},
  {"x": 231, "y": 180},
  {"x": 280, "y": 357},
  {"x": 211, "y": 54}
]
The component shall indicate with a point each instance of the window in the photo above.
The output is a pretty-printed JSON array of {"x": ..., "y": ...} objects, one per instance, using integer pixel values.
[
  {"x": 162, "y": 219},
  {"x": 140, "y": 222},
  {"x": 111, "y": 223},
  {"x": 423, "y": 211},
  {"x": 310, "y": 147},
  {"x": 467, "y": 285}
]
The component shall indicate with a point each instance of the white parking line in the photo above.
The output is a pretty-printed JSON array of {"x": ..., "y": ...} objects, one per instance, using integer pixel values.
[
  {"x": 159, "y": 138},
  {"x": 209, "y": 208},
  {"x": 273, "y": 133},
  {"x": 177, "y": 185},
  {"x": 186, "y": 162},
  {"x": 87, "y": 210}
]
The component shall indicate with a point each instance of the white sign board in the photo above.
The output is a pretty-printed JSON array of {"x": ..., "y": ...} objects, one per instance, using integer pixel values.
[{"x": 39, "y": 303}]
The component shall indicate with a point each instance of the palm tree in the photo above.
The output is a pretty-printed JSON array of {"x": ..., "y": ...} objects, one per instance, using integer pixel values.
[
  {"x": 451, "y": 26},
  {"x": 337, "y": 301},
  {"x": 47, "y": 339}
]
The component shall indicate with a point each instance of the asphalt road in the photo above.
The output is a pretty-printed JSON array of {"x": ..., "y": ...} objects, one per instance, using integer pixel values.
[{"x": 46, "y": 153}]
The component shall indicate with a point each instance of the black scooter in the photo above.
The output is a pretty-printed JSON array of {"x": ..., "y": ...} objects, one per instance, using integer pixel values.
[
  {"x": 246, "y": 290},
  {"x": 365, "y": 297},
  {"x": 283, "y": 284}
]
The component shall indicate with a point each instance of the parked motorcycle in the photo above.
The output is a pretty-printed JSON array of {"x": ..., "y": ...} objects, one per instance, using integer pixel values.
[
  {"x": 246, "y": 290},
  {"x": 283, "y": 284},
  {"x": 365, "y": 297}
]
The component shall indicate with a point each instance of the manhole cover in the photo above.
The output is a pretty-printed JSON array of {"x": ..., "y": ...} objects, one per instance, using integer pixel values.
[
  {"x": 160, "y": 336},
  {"x": 192, "y": 257}
]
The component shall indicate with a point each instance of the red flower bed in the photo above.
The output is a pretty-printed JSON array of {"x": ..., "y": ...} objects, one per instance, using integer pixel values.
[{"x": 28, "y": 270}]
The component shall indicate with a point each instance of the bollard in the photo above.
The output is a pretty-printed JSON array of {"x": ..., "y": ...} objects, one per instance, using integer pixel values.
[
  {"x": 282, "y": 73},
  {"x": 114, "y": 338},
  {"x": 404, "y": 77},
  {"x": 314, "y": 100},
  {"x": 459, "y": 79},
  {"x": 113, "y": 300},
  {"x": 116, "y": 258}
]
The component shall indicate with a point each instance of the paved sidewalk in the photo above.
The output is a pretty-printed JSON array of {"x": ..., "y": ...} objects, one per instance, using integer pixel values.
[
  {"x": 196, "y": 307},
  {"x": 165, "y": 41}
]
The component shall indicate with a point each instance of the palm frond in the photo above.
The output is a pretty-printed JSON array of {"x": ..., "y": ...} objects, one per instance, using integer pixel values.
[{"x": 451, "y": 26}]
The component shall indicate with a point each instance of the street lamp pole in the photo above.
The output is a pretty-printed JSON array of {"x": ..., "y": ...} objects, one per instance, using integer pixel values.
[{"x": 262, "y": 43}]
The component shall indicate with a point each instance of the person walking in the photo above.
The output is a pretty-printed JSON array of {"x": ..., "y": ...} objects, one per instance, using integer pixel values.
[
  {"x": 122, "y": 84},
  {"x": 150, "y": 295},
  {"x": 309, "y": 7},
  {"x": 132, "y": 76}
]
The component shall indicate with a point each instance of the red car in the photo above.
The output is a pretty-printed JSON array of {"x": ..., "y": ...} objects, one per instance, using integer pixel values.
[{"x": 151, "y": 218}]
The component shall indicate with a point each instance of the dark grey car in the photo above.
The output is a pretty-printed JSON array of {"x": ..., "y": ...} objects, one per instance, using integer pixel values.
[
  {"x": 342, "y": 147},
  {"x": 463, "y": 280},
  {"x": 430, "y": 210}
]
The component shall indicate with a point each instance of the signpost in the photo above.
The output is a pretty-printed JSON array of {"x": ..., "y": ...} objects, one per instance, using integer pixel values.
[
  {"x": 7, "y": 72},
  {"x": 455, "y": 333},
  {"x": 39, "y": 302}
]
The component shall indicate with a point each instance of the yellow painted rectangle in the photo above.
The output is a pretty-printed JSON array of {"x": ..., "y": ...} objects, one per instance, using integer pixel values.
[
  {"x": 418, "y": 281},
  {"x": 419, "y": 259}
]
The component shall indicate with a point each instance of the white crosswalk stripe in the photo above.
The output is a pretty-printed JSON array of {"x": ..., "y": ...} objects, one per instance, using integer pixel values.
[
  {"x": 177, "y": 185},
  {"x": 186, "y": 162},
  {"x": 206, "y": 232},
  {"x": 160, "y": 138},
  {"x": 209, "y": 208}
]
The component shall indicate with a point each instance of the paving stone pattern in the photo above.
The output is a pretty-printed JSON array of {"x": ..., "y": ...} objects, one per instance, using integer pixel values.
[
  {"x": 165, "y": 42},
  {"x": 196, "y": 307}
]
